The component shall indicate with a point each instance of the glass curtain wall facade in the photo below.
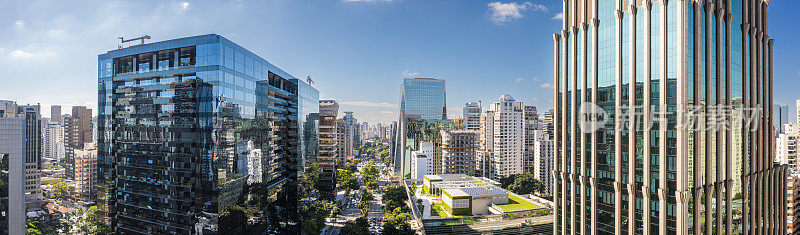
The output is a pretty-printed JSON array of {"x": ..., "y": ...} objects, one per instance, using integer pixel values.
[
  {"x": 424, "y": 97},
  {"x": 190, "y": 128},
  {"x": 420, "y": 98},
  {"x": 686, "y": 86}
]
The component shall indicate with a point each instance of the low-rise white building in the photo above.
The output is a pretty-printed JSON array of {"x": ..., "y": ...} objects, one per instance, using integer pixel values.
[{"x": 422, "y": 161}]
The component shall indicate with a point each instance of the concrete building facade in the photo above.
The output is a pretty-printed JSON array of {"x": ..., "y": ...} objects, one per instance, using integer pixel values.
[{"x": 459, "y": 151}]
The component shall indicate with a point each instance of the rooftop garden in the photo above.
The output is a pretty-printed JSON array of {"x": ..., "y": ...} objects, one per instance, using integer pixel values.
[{"x": 517, "y": 204}]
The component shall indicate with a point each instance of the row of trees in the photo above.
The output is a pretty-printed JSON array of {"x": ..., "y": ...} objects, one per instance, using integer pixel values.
[
  {"x": 396, "y": 212},
  {"x": 524, "y": 183}
]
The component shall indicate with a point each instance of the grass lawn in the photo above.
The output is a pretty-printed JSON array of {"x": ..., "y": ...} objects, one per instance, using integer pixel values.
[
  {"x": 438, "y": 210},
  {"x": 517, "y": 204}
]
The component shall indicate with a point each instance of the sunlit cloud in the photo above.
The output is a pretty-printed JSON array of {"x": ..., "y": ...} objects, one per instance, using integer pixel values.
[
  {"x": 407, "y": 74},
  {"x": 518, "y": 80},
  {"x": 546, "y": 85},
  {"x": 559, "y": 16},
  {"x": 500, "y": 13}
]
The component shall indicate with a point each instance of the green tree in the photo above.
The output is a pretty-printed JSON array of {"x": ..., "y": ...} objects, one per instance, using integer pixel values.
[
  {"x": 359, "y": 226},
  {"x": 523, "y": 184},
  {"x": 396, "y": 222},
  {"x": 60, "y": 190},
  {"x": 347, "y": 180},
  {"x": 395, "y": 197}
]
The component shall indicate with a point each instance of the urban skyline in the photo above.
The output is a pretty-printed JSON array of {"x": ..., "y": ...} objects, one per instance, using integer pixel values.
[
  {"x": 68, "y": 37},
  {"x": 633, "y": 117}
]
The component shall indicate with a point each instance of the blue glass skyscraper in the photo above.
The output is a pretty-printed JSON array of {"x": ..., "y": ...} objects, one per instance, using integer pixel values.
[
  {"x": 420, "y": 98},
  {"x": 189, "y": 128},
  {"x": 424, "y": 97}
]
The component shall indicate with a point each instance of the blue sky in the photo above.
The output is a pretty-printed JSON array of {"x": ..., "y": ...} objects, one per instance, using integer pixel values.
[{"x": 356, "y": 51}]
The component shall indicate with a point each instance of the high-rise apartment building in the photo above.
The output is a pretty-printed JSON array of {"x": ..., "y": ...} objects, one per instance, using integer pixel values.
[
  {"x": 86, "y": 172},
  {"x": 418, "y": 131},
  {"x": 52, "y": 141},
  {"x": 459, "y": 149},
  {"x": 662, "y": 164},
  {"x": 793, "y": 203},
  {"x": 786, "y": 146},
  {"x": 506, "y": 119},
  {"x": 12, "y": 170},
  {"x": 486, "y": 149},
  {"x": 328, "y": 147},
  {"x": 543, "y": 159},
  {"x": 472, "y": 116},
  {"x": 531, "y": 125},
  {"x": 176, "y": 118},
  {"x": 546, "y": 123},
  {"x": 77, "y": 132}
]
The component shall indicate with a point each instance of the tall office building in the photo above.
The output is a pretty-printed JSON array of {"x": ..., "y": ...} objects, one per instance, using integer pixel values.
[
  {"x": 531, "y": 125},
  {"x": 420, "y": 98},
  {"x": 543, "y": 159},
  {"x": 424, "y": 97},
  {"x": 663, "y": 164},
  {"x": 328, "y": 147},
  {"x": 55, "y": 114},
  {"x": 12, "y": 170},
  {"x": 504, "y": 127},
  {"x": 177, "y": 117},
  {"x": 33, "y": 145},
  {"x": 472, "y": 116},
  {"x": 77, "y": 132},
  {"x": 780, "y": 116},
  {"x": 459, "y": 149},
  {"x": 350, "y": 133}
]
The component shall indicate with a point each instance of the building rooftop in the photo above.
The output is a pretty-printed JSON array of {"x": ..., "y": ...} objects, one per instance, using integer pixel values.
[{"x": 475, "y": 191}]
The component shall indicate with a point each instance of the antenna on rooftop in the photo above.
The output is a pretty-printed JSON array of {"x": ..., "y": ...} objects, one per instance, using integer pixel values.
[{"x": 142, "y": 38}]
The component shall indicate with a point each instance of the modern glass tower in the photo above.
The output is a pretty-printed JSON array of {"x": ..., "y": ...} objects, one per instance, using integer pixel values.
[
  {"x": 424, "y": 97},
  {"x": 190, "y": 128},
  {"x": 420, "y": 98},
  {"x": 687, "y": 147}
]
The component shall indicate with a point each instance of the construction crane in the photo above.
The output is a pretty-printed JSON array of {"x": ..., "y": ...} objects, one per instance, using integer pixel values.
[
  {"x": 309, "y": 81},
  {"x": 134, "y": 39}
]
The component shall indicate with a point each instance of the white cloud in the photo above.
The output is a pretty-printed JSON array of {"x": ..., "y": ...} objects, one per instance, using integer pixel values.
[
  {"x": 798, "y": 72},
  {"x": 546, "y": 85},
  {"x": 500, "y": 13},
  {"x": 519, "y": 80},
  {"x": 20, "y": 54},
  {"x": 535, "y": 79},
  {"x": 559, "y": 16},
  {"x": 367, "y": 0},
  {"x": 407, "y": 74},
  {"x": 387, "y": 112},
  {"x": 19, "y": 25},
  {"x": 369, "y": 104},
  {"x": 535, "y": 99},
  {"x": 184, "y": 5}
]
